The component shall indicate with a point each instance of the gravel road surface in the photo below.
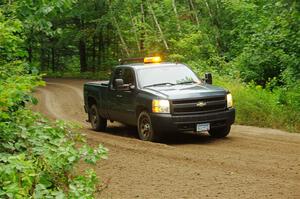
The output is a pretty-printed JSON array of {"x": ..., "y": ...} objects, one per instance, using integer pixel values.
[{"x": 250, "y": 163}]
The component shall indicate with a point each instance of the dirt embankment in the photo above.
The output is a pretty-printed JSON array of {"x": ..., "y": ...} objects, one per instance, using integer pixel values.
[{"x": 251, "y": 163}]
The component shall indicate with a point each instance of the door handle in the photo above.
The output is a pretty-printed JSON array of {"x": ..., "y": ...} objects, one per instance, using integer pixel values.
[{"x": 119, "y": 96}]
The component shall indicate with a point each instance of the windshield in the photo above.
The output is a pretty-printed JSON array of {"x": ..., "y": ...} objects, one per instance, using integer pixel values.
[{"x": 166, "y": 75}]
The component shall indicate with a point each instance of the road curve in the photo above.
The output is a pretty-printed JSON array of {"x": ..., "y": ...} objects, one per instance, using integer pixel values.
[{"x": 250, "y": 163}]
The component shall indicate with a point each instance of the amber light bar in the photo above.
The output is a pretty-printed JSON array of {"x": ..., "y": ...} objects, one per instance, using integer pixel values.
[
  {"x": 152, "y": 60},
  {"x": 146, "y": 60}
]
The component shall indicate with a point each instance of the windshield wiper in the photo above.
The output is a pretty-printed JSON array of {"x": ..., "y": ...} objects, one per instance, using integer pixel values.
[
  {"x": 160, "y": 84},
  {"x": 187, "y": 82}
]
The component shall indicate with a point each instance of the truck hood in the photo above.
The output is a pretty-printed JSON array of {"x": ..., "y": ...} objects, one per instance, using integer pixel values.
[{"x": 186, "y": 91}]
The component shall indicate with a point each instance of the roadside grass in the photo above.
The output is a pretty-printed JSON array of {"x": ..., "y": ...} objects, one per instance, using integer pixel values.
[{"x": 256, "y": 106}]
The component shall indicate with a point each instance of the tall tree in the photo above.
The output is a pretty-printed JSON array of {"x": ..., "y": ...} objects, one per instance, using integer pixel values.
[{"x": 158, "y": 26}]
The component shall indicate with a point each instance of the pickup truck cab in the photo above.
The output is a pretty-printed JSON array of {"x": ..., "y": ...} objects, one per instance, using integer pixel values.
[{"x": 160, "y": 99}]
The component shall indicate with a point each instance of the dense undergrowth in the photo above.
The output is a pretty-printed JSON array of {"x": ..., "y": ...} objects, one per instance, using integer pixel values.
[
  {"x": 257, "y": 106},
  {"x": 37, "y": 156},
  {"x": 37, "y": 159}
]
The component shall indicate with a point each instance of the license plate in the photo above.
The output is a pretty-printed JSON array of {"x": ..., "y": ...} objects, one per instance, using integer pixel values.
[{"x": 202, "y": 127}]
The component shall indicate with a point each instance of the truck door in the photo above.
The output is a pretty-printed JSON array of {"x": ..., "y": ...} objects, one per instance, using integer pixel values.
[
  {"x": 122, "y": 103},
  {"x": 113, "y": 98},
  {"x": 127, "y": 100}
]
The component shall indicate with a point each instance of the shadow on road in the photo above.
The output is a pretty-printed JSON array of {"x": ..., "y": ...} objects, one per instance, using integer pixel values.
[
  {"x": 123, "y": 130},
  {"x": 170, "y": 139},
  {"x": 189, "y": 138}
]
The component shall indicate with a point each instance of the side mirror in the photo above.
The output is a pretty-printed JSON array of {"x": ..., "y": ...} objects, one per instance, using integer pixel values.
[
  {"x": 208, "y": 78},
  {"x": 132, "y": 87},
  {"x": 119, "y": 83}
]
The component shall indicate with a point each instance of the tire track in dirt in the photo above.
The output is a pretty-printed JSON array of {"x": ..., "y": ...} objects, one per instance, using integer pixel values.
[{"x": 251, "y": 163}]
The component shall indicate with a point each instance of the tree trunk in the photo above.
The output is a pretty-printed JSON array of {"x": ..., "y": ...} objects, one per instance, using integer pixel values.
[
  {"x": 192, "y": 7},
  {"x": 100, "y": 47},
  {"x": 142, "y": 37},
  {"x": 48, "y": 60},
  {"x": 82, "y": 47},
  {"x": 209, "y": 11},
  {"x": 134, "y": 30},
  {"x": 94, "y": 53},
  {"x": 123, "y": 43},
  {"x": 82, "y": 54},
  {"x": 121, "y": 36},
  {"x": 158, "y": 27},
  {"x": 176, "y": 15},
  {"x": 59, "y": 67},
  {"x": 215, "y": 23},
  {"x": 53, "y": 59},
  {"x": 43, "y": 57},
  {"x": 29, "y": 50}
]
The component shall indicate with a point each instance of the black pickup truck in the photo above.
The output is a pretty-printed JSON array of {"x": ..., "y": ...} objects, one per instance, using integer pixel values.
[{"x": 160, "y": 99}]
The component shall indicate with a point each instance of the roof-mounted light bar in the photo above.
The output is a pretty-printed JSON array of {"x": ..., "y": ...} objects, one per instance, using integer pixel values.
[
  {"x": 152, "y": 60},
  {"x": 126, "y": 60},
  {"x": 146, "y": 60}
]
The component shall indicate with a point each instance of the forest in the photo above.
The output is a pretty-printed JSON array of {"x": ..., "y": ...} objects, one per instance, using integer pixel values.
[
  {"x": 258, "y": 39},
  {"x": 251, "y": 47}
]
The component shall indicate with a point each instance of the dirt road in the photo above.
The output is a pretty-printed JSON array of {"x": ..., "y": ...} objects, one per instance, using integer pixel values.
[{"x": 250, "y": 163}]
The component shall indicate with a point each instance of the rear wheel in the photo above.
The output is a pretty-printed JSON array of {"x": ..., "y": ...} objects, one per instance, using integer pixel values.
[
  {"x": 98, "y": 123},
  {"x": 145, "y": 129},
  {"x": 219, "y": 132}
]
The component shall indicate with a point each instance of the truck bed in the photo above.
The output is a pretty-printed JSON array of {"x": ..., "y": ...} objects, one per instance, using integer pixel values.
[
  {"x": 96, "y": 90},
  {"x": 98, "y": 83}
]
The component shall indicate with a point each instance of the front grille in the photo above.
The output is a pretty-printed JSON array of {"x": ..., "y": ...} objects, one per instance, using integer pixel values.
[{"x": 199, "y": 105}]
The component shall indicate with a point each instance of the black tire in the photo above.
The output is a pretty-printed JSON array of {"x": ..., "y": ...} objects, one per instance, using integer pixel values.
[
  {"x": 145, "y": 129},
  {"x": 219, "y": 132},
  {"x": 98, "y": 123}
]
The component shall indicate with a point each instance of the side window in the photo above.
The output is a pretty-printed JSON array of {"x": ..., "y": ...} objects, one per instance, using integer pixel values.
[
  {"x": 128, "y": 76},
  {"x": 118, "y": 75}
]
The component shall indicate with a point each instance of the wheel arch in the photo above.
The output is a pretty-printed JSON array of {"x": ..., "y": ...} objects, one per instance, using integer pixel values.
[
  {"x": 139, "y": 109},
  {"x": 91, "y": 101}
]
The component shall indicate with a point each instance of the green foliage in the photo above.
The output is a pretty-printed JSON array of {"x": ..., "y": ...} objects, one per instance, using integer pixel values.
[
  {"x": 279, "y": 108},
  {"x": 259, "y": 39},
  {"x": 253, "y": 46},
  {"x": 193, "y": 44},
  {"x": 10, "y": 41},
  {"x": 37, "y": 157},
  {"x": 266, "y": 41},
  {"x": 102, "y": 75}
]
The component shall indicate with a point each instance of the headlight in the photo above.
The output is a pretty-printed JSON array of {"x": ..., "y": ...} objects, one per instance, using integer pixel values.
[
  {"x": 160, "y": 106},
  {"x": 229, "y": 100}
]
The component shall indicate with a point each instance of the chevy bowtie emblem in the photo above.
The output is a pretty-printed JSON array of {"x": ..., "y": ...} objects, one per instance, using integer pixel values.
[{"x": 201, "y": 104}]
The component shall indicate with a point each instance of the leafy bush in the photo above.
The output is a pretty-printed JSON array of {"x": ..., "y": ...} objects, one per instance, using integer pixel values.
[
  {"x": 265, "y": 40},
  {"x": 37, "y": 157},
  {"x": 279, "y": 108}
]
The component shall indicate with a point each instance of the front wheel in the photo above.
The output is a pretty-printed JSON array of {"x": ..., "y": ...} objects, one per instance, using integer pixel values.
[
  {"x": 98, "y": 123},
  {"x": 219, "y": 132},
  {"x": 145, "y": 129}
]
